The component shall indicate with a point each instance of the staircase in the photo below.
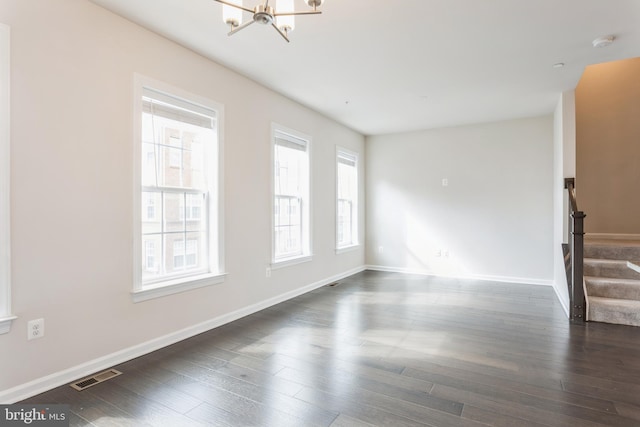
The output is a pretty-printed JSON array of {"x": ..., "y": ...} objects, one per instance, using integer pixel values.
[{"x": 612, "y": 279}]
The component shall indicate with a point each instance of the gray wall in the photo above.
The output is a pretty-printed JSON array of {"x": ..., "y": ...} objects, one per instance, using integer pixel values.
[
  {"x": 495, "y": 218},
  {"x": 608, "y": 147}
]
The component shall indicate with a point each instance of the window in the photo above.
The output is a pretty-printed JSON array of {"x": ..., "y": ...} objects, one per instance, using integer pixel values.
[
  {"x": 179, "y": 191},
  {"x": 291, "y": 201},
  {"x": 5, "y": 247},
  {"x": 347, "y": 199}
]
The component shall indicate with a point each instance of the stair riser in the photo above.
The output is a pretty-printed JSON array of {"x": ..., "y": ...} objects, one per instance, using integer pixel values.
[
  {"x": 629, "y": 253},
  {"x": 615, "y": 271},
  {"x": 613, "y": 290},
  {"x": 620, "y": 317}
]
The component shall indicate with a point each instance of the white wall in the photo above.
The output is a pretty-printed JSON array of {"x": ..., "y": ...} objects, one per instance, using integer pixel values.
[
  {"x": 564, "y": 166},
  {"x": 495, "y": 218},
  {"x": 72, "y": 69}
]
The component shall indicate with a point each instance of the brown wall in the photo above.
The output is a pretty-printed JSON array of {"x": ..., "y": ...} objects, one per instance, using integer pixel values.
[{"x": 608, "y": 147}]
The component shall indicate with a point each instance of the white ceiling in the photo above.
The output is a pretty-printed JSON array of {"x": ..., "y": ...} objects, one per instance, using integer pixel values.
[{"x": 394, "y": 66}]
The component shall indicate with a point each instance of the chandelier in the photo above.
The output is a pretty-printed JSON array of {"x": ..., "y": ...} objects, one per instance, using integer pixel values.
[{"x": 281, "y": 17}]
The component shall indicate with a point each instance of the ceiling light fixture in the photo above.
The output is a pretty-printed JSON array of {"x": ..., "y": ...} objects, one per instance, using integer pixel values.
[
  {"x": 282, "y": 17},
  {"x": 603, "y": 41}
]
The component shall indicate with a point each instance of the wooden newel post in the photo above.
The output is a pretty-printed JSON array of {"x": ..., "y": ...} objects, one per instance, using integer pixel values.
[{"x": 578, "y": 308}]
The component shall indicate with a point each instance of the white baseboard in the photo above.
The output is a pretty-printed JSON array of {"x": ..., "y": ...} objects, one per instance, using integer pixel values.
[
  {"x": 502, "y": 279},
  {"x": 57, "y": 379},
  {"x": 564, "y": 307}
]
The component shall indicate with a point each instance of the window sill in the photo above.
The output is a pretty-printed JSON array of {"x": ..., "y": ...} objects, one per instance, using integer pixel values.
[
  {"x": 290, "y": 261},
  {"x": 350, "y": 248},
  {"x": 176, "y": 286},
  {"x": 5, "y": 324}
]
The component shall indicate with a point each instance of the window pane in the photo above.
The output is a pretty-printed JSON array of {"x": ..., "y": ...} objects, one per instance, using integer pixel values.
[
  {"x": 288, "y": 169},
  {"x": 149, "y": 159},
  {"x": 178, "y": 254},
  {"x": 288, "y": 226},
  {"x": 174, "y": 212},
  {"x": 195, "y": 220},
  {"x": 344, "y": 222},
  {"x": 151, "y": 257},
  {"x": 151, "y": 215},
  {"x": 192, "y": 250}
]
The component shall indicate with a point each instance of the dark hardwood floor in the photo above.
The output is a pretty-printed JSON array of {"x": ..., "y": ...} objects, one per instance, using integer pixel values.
[{"x": 383, "y": 349}]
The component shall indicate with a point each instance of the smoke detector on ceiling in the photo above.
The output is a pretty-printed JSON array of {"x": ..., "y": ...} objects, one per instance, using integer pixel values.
[{"x": 603, "y": 41}]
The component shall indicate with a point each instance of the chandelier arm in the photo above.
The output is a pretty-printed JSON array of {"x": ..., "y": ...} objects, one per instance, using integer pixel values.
[
  {"x": 284, "y": 36},
  {"x": 310, "y": 12},
  {"x": 235, "y": 5},
  {"x": 241, "y": 27}
]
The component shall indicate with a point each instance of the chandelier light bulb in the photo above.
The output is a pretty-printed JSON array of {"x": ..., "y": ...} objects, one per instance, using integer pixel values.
[
  {"x": 232, "y": 15},
  {"x": 286, "y": 23}
]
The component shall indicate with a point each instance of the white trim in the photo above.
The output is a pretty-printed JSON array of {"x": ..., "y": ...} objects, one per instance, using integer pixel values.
[
  {"x": 5, "y": 324},
  {"x": 39, "y": 385},
  {"x": 612, "y": 236},
  {"x": 633, "y": 266},
  {"x": 349, "y": 248},
  {"x": 176, "y": 286},
  {"x": 488, "y": 278},
  {"x": 5, "y": 176},
  {"x": 564, "y": 307},
  {"x": 216, "y": 203}
]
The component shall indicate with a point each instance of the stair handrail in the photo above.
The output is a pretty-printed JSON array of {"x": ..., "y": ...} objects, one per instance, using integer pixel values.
[{"x": 577, "y": 300}]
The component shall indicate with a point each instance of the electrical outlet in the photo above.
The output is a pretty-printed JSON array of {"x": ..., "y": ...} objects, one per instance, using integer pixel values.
[
  {"x": 268, "y": 272},
  {"x": 35, "y": 329},
  {"x": 380, "y": 249}
]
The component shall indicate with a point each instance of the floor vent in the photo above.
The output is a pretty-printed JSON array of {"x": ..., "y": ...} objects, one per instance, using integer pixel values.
[{"x": 85, "y": 383}]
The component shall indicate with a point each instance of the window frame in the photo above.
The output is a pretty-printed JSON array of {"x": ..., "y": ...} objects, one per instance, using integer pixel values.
[
  {"x": 355, "y": 232},
  {"x": 216, "y": 273},
  {"x": 6, "y": 318},
  {"x": 306, "y": 205}
]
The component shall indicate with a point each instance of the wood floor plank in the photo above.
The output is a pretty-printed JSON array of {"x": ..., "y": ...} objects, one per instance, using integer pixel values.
[
  {"x": 496, "y": 419},
  {"x": 480, "y": 382}
]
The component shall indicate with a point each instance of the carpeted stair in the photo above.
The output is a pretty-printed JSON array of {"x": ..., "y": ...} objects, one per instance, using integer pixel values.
[{"x": 612, "y": 279}]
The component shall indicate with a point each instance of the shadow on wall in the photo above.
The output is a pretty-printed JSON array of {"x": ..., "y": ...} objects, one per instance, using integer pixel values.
[
  {"x": 608, "y": 148},
  {"x": 429, "y": 250}
]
